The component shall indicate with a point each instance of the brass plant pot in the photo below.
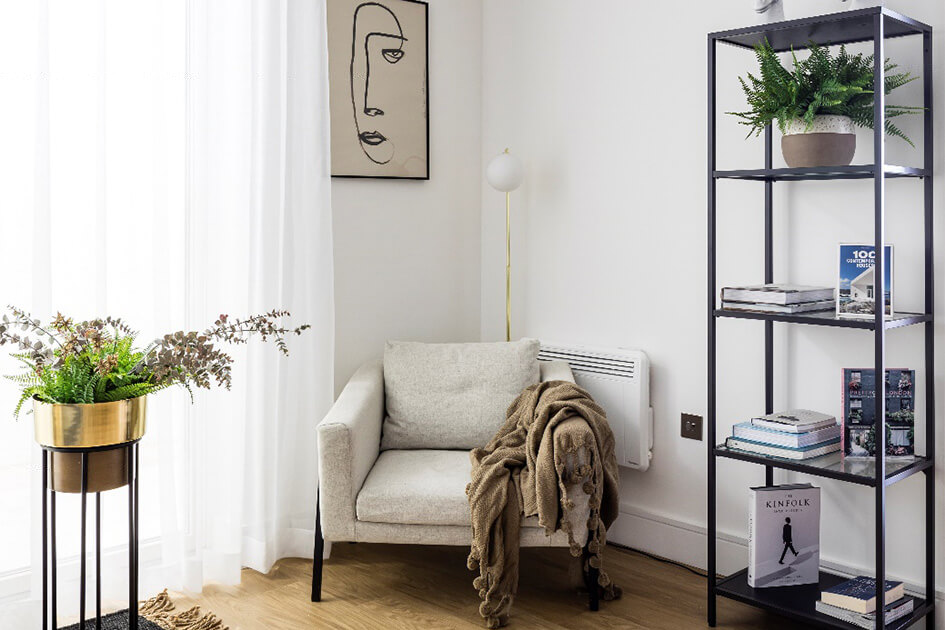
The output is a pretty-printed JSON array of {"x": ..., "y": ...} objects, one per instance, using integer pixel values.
[{"x": 84, "y": 427}]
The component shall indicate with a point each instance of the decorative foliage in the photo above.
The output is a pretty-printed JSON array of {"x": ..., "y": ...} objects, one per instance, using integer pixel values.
[
  {"x": 97, "y": 361},
  {"x": 820, "y": 84}
]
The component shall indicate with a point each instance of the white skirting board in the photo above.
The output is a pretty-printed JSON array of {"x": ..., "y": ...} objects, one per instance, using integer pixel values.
[{"x": 686, "y": 542}]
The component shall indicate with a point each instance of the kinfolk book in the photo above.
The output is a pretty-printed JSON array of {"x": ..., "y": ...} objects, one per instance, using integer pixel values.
[
  {"x": 859, "y": 413},
  {"x": 856, "y": 282},
  {"x": 784, "y": 536}
]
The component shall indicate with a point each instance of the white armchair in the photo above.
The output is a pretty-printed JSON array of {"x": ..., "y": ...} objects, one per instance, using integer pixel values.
[{"x": 407, "y": 496}]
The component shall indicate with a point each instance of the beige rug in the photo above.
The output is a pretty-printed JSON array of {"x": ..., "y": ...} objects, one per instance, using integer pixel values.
[{"x": 160, "y": 611}]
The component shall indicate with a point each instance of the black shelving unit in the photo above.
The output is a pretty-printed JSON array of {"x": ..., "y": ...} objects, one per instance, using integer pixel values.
[{"x": 875, "y": 24}]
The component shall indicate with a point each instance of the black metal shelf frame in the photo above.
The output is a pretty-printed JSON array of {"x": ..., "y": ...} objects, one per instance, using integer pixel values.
[{"x": 874, "y": 24}]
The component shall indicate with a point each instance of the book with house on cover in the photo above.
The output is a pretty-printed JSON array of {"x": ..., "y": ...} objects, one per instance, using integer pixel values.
[
  {"x": 794, "y": 420},
  {"x": 777, "y": 294},
  {"x": 894, "y": 611},
  {"x": 784, "y": 536},
  {"x": 748, "y": 431},
  {"x": 856, "y": 284},
  {"x": 859, "y": 594},
  {"x": 859, "y": 413},
  {"x": 784, "y": 452},
  {"x": 782, "y": 309}
]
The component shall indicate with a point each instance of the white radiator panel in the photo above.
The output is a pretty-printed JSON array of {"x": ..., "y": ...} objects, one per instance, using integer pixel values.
[{"x": 619, "y": 380}]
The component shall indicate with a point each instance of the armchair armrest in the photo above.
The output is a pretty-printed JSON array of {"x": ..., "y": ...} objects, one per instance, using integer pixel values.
[
  {"x": 555, "y": 371},
  {"x": 349, "y": 440}
]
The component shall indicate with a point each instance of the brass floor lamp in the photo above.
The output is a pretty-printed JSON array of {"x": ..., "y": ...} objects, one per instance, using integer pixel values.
[{"x": 505, "y": 173}]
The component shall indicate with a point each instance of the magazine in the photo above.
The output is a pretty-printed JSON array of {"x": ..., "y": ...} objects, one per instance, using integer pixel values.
[
  {"x": 859, "y": 411},
  {"x": 856, "y": 281},
  {"x": 784, "y": 536}
]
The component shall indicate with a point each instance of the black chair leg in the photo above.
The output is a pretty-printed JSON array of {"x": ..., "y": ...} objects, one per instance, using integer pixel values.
[
  {"x": 593, "y": 589},
  {"x": 319, "y": 557}
]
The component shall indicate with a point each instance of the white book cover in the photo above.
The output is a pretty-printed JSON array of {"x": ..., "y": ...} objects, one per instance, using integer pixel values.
[
  {"x": 795, "y": 420},
  {"x": 784, "y": 536}
]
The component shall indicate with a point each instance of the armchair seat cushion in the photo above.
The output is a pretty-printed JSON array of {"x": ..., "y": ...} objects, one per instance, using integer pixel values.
[
  {"x": 417, "y": 487},
  {"x": 428, "y": 487}
]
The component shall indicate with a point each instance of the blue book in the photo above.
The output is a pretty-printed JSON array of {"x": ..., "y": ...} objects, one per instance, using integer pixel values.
[
  {"x": 785, "y": 452},
  {"x": 859, "y": 594},
  {"x": 857, "y": 284},
  {"x": 754, "y": 433}
]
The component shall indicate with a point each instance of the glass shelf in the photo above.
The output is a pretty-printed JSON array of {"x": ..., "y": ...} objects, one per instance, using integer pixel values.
[
  {"x": 797, "y": 602},
  {"x": 827, "y": 30},
  {"x": 815, "y": 173},
  {"x": 827, "y": 318},
  {"x": 834, "y": 466}
]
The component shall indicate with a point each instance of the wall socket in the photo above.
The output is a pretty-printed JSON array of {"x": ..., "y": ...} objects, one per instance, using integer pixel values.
[{"x": 690, "y": 426}]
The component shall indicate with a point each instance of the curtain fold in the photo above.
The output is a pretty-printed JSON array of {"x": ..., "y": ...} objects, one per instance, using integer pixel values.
[{"x": 167, "y": 162}]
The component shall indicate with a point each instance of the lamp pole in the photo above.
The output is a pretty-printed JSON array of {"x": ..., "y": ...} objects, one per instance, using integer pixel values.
[
  {"x": 505, "y": 173},
  {"x": 508, "y": 266}
]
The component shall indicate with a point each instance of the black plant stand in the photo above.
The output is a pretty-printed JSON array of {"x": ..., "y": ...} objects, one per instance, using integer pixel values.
[
  {"x": 49, "y": 537},
  {"x": 874, "y": 25}
]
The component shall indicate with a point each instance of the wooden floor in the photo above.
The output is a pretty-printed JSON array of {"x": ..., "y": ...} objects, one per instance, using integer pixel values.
[{"x": 403, "y": 586}]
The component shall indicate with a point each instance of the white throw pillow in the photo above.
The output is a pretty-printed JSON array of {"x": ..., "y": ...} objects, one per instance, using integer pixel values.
[{"x": 452, "y": 395}]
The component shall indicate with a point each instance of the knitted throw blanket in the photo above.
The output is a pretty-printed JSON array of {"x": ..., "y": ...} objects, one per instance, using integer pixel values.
[{"x": 524, "y": 472}]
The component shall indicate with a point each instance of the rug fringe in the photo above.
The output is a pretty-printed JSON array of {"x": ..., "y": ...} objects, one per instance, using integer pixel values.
[{"x": 158, "y": 610}]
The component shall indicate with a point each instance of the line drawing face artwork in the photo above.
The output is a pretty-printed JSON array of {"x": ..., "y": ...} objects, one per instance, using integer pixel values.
[
  {"x": 378, "y": 74},
  {"x": 377, "y": 41}
]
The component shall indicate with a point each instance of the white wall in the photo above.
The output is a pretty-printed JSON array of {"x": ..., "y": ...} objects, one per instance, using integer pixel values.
[
  {"x": 407, "y": 252},
  {"x": 605, "y": 101}
]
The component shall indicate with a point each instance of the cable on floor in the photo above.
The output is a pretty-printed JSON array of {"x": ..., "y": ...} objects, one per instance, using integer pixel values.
[{"x": 660, "y": 559}]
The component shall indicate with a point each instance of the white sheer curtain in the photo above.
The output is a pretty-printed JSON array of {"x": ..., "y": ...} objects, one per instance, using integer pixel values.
[{"x": 167, "y": 162}]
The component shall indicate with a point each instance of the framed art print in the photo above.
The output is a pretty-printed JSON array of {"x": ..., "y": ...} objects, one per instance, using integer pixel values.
[{"x": 378, "y": 60}]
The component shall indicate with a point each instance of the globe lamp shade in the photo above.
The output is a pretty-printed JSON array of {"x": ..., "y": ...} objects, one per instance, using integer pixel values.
[{"x": 505, "y": 172}]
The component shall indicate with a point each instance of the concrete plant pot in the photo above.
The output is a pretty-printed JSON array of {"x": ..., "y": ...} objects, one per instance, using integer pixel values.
[{"x": 829, "y": 141}]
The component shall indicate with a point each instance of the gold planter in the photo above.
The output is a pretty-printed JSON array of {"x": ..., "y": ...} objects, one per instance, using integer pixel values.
[{"x": 84, "y": 427}]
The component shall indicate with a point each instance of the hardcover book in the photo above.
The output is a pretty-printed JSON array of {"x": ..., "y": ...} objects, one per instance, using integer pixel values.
[
  {"x": 794, "y": 420},
  {"x": 784, "y": 452},
  {"x": 896, "y": 610},
  {"x": 777, "y": 293},
  {"x": 859, "y": 594},
  {"x": 784, "y": 536},
  {"x": 857, "y": 284},
  {"x": 859, "y": 413},
  {"x": 749, "y": 431},
  {"x": 781, "y": 309}
]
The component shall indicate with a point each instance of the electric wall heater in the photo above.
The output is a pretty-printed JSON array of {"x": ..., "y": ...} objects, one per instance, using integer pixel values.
[{"x": 619, "y": 380}]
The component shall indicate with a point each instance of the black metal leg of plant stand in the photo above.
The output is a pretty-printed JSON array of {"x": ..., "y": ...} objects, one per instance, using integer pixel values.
[
  {"x": 85, "y": 485},
  {"x": 54, "y": 595},
  {"x": 98, "y": 561},
  {"x": 45, "y": 540},
  {"x": 132, "y": 539}
]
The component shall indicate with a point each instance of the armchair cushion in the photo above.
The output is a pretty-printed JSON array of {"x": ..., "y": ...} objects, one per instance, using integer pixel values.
[
  {"x": 452, "y": 395},
  {"x": 428, "y": 487},
  {"x": 417, "y": 487}
]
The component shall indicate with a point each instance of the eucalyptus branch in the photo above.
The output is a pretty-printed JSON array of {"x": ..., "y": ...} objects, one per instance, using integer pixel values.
[{"x": 96, "y": 360}]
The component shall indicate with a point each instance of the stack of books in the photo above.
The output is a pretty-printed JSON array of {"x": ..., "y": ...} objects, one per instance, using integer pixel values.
[
  {"x": 854, "y": 601},
  {"x": 786, "y": 299},
  {"x": 794, "y": 434}
]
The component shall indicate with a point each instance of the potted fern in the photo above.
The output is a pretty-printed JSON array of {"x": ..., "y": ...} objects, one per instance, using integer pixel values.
[
  {"x": 818, "y": 103},
  {"x": 88, "y": 381}
]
